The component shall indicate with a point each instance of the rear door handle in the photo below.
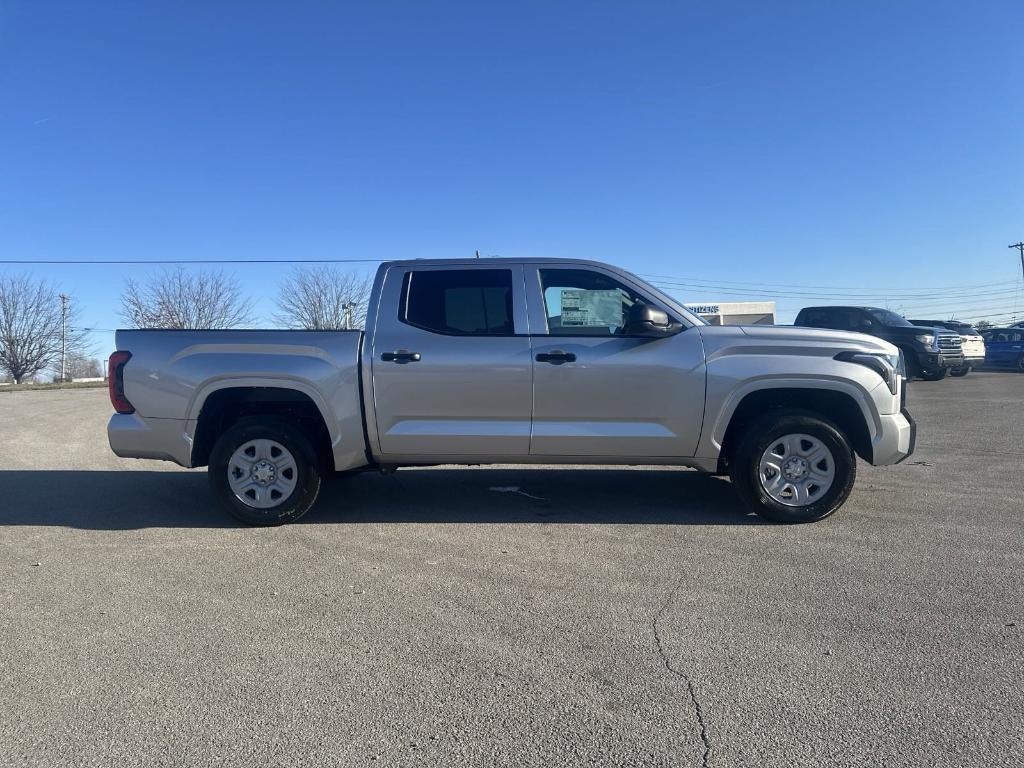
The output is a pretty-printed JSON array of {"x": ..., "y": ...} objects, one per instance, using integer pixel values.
[
  {"x": 557, "y": 357},
  {"x": 400, "y": 357}
]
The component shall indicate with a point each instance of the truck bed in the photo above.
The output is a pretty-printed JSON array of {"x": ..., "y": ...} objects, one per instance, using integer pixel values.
[{"x": 172, "y": 373}]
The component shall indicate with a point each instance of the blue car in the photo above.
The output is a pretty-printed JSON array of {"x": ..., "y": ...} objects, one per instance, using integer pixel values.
[{"x": 1005, "y": 347}]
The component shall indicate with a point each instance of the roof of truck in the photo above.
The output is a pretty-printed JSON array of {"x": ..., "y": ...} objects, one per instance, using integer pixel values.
[
  {"x": 497, "y": 260},
  {"x": 839, "y": 306}
]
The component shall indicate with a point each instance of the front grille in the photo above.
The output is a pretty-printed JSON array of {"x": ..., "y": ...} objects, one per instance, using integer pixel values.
[{"x": 949, "y": 343}]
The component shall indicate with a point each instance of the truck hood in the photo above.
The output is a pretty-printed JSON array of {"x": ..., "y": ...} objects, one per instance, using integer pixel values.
[
  {"x": 791, "y": 339},
  {"x": 902, "y": 332}
]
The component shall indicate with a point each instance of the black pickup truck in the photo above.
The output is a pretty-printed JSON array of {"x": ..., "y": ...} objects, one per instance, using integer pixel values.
[{"x": 929, "y": 352}]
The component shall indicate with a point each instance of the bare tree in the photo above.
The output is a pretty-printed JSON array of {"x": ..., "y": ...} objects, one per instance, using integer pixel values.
[
  {"x": 323, "y": 299},
  {"x": 31, "y": 327},
  {"x": 82, "y": 366},
  {"x": 179, "y": 299}
]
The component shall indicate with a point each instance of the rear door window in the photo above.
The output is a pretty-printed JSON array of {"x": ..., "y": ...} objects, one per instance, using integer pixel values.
[
  {"x": 815, "y": 318},
  {"x": 459, "y": 302},
  {"x": 845, "y": 319}
]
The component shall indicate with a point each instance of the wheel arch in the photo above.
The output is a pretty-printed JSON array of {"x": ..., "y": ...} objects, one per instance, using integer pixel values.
[
  {"x": 845, "y": 409},
  {"x": 225, "y": 403}
]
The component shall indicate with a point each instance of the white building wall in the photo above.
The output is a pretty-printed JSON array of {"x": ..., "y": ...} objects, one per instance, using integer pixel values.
[{"x": 736, "y": 312}]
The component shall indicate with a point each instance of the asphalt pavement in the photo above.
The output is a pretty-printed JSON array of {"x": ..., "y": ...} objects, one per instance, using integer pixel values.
[{"x": 513, "y": 616}]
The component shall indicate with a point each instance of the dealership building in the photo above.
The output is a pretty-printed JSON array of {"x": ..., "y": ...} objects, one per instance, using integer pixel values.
[{"x": 736, "y": 312}]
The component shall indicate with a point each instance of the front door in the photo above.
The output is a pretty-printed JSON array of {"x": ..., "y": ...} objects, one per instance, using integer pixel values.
[
  {"x": 452, "y": 368},
  {"x": 598, "y": 391}
]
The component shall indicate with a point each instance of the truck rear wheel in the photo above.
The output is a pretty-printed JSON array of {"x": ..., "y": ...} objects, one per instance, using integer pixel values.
[
  {"x": 792, "y": 466},
  {"x": 264, "y": 471}
]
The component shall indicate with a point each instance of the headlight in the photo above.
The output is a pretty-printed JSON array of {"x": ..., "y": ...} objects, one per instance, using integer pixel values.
[
  {"x": 886, "y": 366},
  {"x": 926, "y": 338}
]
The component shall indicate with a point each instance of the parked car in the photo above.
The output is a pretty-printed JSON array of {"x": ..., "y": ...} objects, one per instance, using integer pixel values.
[
  {"x": 971, "y": 342},
  {"x": 497, "y": 361},
  {"x": 1005, "y": 347},
  {"x": 930, "y": 354}
]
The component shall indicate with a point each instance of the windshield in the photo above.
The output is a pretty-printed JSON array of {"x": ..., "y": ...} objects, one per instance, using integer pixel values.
[{"x": 889, "y": 318}]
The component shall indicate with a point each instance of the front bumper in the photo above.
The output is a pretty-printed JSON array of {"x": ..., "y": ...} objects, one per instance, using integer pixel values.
[
  {"x": 133, "y": 437},
  {"x": 931, "y": 361},
  {"x": 896, "y": 439}
]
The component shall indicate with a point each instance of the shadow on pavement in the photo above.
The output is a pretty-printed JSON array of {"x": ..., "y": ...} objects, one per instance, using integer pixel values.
[{"x": 125, "y": 500}]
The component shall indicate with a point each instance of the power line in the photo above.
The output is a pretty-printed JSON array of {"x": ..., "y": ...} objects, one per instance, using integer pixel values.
[
  {"x": 695, "y": 284},
  {"x": 978, "y": 289},
  {"x": 794, "y": 286},
  {"x": 190, "y": 261},
  {"x": 879, "y": 295}
]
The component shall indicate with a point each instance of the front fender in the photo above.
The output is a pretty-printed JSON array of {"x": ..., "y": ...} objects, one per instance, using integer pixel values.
[{"x": 730, "y": 381}]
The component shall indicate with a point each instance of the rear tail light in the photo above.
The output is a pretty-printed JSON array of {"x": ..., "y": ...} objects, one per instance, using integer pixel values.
[{"x": 115, "y": 382}]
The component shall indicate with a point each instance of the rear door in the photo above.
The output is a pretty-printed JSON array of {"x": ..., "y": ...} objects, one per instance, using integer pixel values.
[
  {"x": 599, "y": 391},
  {"x": 1005, "y": 347},
  {"x": 451, "y": 368}
]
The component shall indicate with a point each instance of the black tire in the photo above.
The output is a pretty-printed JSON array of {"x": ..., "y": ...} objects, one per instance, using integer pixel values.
[
  {"x": 936, "y": 375},
  {"x": 307, "y": 485},
  {"x": 913, "y": 366},
  {"x": 759, "y": 436},
  {"x": 960, "y": 371}
]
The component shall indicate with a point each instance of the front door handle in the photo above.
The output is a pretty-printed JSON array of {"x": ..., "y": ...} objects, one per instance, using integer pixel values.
[
  {"x": 556, "y": 357},
  {"x": 400, "y": 357}
]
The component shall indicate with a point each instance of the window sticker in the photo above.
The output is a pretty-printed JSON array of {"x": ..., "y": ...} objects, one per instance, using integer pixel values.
[{"x": 583, "y": 308}]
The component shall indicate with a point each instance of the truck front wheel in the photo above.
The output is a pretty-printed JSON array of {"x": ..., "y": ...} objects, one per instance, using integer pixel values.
[
  {"x": 793, "y": 467},
  {"x": 264, "y": 471},
  {"x": 937, "y": 374}
]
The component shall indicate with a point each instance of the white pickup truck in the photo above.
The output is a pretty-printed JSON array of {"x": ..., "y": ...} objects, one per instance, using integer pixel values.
[{"x": 491, "y": 361}]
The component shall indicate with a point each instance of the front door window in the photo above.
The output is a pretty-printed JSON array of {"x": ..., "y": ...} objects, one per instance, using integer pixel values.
[{"x": 580, "y": 302}]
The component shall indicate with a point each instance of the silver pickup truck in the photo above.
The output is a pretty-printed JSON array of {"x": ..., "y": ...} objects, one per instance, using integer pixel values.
[{"x": 490, "y": 361}]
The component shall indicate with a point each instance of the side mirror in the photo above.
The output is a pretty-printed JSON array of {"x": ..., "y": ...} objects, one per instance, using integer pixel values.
[{"x": 645, "y": 320}]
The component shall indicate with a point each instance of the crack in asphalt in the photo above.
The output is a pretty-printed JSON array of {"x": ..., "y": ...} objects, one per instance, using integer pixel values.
[{"x": 698, "y": 711}]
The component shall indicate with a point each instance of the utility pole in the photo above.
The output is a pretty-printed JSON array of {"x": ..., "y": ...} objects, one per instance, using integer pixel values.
[
  {"x": 348, "y": 307},
  {"x": 1020, "y": 247},
  {"x": 64, "y": 299}
]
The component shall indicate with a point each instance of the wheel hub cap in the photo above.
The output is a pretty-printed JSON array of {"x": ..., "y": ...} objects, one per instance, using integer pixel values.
[
  {"x": 262, "y": 474},
  {"x": 795, "y": 468}
]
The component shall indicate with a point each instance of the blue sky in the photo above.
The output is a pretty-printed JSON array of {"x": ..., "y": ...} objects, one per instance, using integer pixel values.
[{"x": 871, "y": 146}]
